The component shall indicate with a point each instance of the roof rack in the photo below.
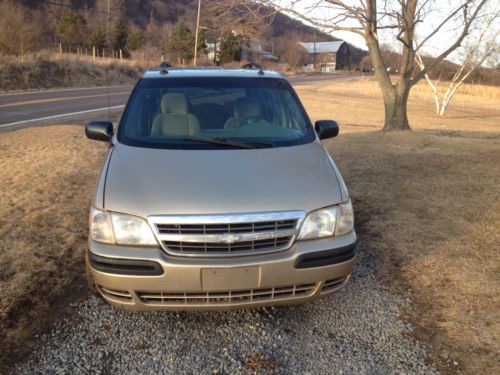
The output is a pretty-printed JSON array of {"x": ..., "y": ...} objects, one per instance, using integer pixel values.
[
  {"x": 253, "y": 66},
  {"x": 164, "y": 65}
]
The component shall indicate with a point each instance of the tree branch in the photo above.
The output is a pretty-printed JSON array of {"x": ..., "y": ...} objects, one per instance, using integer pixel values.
[{"x": 453, "y": 47}]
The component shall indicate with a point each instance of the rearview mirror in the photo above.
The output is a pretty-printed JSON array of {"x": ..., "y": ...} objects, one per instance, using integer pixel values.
[
  {"x": 326, "y": 128},
  {"x": 99, "y": 130}
]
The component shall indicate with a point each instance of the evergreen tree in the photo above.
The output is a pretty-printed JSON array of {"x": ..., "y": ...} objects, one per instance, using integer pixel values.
[
  {"x": 98, "y": 40},
  {"x": 120, "y": 35},
  {"x": 136, "y": 39},
  {"x": 152, "y": 34},
  {"x": 230, "y": 47},
  {"x": 72, "y": 29},
  {"x": 181, "y": 43}
]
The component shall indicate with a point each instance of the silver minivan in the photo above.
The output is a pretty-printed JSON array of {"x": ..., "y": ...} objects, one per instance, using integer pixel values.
[{"x": 217, "y": 193}]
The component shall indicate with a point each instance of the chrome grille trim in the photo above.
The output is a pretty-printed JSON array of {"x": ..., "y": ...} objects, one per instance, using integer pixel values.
[
  {"x": 214, "y": 238},
  {"x": 255, "y": 227},
  {"x": 226, "y": 231},
  {"x": 226, "y": 218}
]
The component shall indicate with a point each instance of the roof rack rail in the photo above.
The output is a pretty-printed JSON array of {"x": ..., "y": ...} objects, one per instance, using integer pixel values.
[{"x": 252, "y": 65}]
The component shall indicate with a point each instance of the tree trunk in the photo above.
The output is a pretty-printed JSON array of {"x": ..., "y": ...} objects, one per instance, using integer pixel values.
[
  {"x": 395, "y": 105},
  {"x": 395, "y": 96}
]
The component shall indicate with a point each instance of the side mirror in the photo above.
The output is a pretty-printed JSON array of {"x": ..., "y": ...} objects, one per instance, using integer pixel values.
[
  {"x": 99, "y": 130},
  {"x": 326, "y": 128}
]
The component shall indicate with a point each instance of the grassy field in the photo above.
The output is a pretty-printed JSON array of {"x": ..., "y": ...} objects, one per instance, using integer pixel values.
[
  {"x": 357, "y": 105},
  {"x": 427, "y": 206}
]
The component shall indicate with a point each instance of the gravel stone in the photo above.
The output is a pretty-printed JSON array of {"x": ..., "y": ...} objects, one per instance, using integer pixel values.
[{"x": 358, "y": 330}]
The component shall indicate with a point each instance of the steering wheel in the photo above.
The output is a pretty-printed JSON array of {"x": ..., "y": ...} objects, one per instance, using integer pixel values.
[{"x": 248, "y": 120}]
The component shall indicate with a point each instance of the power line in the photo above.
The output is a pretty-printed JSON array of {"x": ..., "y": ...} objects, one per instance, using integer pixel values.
[{"x": 48, "y": 2}]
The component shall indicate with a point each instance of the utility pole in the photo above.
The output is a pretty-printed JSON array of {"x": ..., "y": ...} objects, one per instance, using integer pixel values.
[
  {"x": 107, "y": 21},
  {"x": 196, "y": 33},
  {"x": 314, "y": 52}
]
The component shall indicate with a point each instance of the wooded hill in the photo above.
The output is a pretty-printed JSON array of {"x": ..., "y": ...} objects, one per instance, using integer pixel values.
[{"x": 153, "y": 21}]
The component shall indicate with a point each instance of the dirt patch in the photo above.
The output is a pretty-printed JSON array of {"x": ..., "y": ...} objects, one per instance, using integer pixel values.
[
  {"x": 258, "y": 363},
  {"x": 47, "y": 179}
]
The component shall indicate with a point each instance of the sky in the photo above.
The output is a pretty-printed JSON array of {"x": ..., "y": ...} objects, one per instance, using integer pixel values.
[{"x": 438, "y": 10}]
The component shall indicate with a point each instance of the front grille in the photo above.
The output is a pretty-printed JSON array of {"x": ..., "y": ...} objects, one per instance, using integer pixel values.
[
  {"x": 216, "y": 247},
  {"x": 264, "y": 226},
  {"x": 226, "y": 234},
  {"x": 227, "y": 297}
]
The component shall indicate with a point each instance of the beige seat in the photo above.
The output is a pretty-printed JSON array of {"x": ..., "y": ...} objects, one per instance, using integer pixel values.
[
  {"x": 174, "y": 119},
  {"x": 243, "y": 109}
]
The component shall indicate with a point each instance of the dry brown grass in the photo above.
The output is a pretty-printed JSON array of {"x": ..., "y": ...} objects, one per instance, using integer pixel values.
[
  {"x": 47, "y": 176},
  {"x": 51, "y": 71},
  {"x": 427, "y": 206},
  {"x": 430, "y": 212}
]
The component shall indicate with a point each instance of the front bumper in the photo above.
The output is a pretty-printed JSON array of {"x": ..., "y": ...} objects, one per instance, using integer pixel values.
[{"x": 306, "y": 271}]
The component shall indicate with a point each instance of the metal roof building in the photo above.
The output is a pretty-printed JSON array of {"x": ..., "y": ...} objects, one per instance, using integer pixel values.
[{"x": 323, "y": 47}]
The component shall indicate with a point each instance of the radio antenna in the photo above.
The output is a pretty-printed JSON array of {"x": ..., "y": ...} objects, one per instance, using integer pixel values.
[{"x": 107, "y": 90}]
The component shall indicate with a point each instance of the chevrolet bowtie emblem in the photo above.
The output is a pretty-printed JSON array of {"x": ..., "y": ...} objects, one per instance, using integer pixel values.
[{"x": 228, "y": 238}]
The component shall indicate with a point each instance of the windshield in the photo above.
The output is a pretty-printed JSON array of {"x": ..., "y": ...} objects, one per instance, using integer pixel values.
[{"x": 214, "y": 113}]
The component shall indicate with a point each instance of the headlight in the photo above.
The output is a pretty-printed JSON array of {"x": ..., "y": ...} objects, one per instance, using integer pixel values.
[
  {"x": 132, "y": 230},
  {"x": 121, "y": 229},
  {"x": 345, "y": 219},
  {"x": 327, "y": 222},
  {"x": 320, "y": 223},
  {"x": 101, "y": 229}
]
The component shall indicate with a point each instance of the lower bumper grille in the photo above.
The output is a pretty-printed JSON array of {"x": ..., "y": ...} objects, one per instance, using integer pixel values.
[
  {"x": 115, "y": 294},
  {"x": 331, "y": 285},
  {"x": 227, "y": 297}
]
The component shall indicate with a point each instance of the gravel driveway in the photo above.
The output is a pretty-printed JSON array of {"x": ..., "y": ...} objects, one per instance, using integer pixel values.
[{"x": 356, "y": 331}]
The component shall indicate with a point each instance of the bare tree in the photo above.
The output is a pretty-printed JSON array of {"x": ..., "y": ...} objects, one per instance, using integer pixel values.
[
  {"x": 290, "y": 50},
  {"x": 107, "y": 12},
  {"x": 368, "y": 18},
  {"x": 477, "y": 49}
]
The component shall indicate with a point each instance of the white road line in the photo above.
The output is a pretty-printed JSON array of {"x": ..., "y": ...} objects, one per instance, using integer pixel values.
[
  {"x": 57, "y": 116},
  {"x": 60, "y": 90}
]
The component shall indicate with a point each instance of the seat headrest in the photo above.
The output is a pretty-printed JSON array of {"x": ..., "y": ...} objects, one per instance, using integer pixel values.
[
  {"x": 173, "y": 102},
  {"x": 246, "y": 108}
]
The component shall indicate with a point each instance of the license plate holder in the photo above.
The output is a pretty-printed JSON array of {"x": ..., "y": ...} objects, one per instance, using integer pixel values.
[{"x": 235, "y": 278}]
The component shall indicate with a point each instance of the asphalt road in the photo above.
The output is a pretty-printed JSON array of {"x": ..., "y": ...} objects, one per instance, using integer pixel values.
[{"x": 30, "y": 108}]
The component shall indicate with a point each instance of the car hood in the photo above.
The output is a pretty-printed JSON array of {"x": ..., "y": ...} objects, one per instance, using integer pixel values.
[{"x": 143, "y": 181}]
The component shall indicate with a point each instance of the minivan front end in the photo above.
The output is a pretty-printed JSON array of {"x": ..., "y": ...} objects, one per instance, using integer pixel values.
[
  {"x": 224, "y": 261},
  {"x": 217, "y": 193}
]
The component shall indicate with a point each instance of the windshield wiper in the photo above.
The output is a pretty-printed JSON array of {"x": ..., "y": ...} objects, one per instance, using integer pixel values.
[
  {"x": 257, "y": 142},
  {"x": 218, "y": 140}
]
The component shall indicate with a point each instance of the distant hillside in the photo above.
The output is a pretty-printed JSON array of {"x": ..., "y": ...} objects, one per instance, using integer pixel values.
[{"x": 281, "y": 29}]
